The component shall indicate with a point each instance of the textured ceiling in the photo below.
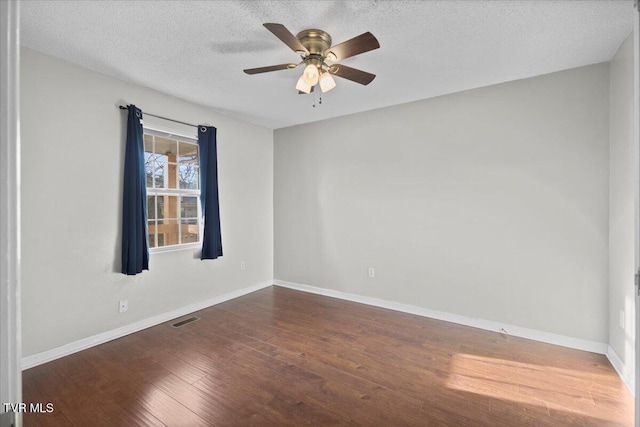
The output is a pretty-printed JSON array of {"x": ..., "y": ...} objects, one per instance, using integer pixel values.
[{"x": 196, "y": 50}]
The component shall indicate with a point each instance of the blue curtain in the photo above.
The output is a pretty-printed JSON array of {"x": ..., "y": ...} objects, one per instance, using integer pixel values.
[
  {"x": 211, "y": 239},
  {"x": 135, "y": 248}
]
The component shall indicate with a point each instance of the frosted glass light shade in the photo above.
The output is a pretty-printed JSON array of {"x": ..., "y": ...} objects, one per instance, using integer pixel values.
[
  {"x": 303, "y": 86},
  {"x": 310, "y": 75},
  {"x": 326, "y": 82}
]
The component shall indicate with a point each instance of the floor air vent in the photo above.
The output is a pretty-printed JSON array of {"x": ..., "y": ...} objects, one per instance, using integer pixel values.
[{"x": 185, "y": 322}]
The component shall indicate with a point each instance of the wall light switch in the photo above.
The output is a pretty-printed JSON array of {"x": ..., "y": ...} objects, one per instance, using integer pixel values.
[
  {"x": 622, "y": 322},
  {"x": 243, "y": 265},
  {"x": 124, "y": 306},
  {"x": 372, "y": 272}
]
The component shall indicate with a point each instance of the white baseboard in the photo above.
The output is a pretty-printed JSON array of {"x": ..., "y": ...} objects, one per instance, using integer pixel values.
[
  {"x": 533, "y": 334},
  {"x": 623, "y": 370},
  {"x": 76, "y": 346},
  {"x": 577, "y": 343}
]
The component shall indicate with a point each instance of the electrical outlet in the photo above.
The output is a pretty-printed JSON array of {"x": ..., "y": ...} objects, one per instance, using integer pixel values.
[
  {"x": 243, "y": 265},
  {"x": 622, "y": 322},
  {"x": 124, "y": 306},
  {"x": 372, "y": 272}
]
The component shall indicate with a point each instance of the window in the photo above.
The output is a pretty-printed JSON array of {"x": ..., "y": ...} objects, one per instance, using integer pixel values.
[{"x": 173, "y": 189}]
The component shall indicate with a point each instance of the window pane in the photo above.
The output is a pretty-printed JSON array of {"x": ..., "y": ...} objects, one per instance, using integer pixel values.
[
  {"x": 188, "y": 176},
  {"x": 159, "y": 175},
  {"x": 166, "y": 149},
  {"x": 148, "y": 171},
  {"x": 152, "y": 234},
  {"x": 189, "y": 230},
  {"x": 172, "y": 176},
  {"x": 167, "y": 207},
  {"x": 189, "y": 207},
  {"x": 148, "y": 159},
  {"x": 160, "y": 207},
  {"x": 151, "y": 207},
  {"x": 188, "y": 152},
  {"x": 169, "y": 232}
]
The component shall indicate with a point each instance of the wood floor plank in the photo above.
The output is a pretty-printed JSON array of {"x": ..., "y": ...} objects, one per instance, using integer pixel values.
[
  {"x": 286, "y": 358},
  {"x": 35, "y": 386}
]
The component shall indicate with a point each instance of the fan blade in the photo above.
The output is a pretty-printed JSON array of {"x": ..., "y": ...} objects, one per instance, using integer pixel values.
[
  {"x": 352, "y": 74},
  {"x": 270, "y": 68},
  {"x": 357, "y": 45},
  {"x": 281, "y": 32}
]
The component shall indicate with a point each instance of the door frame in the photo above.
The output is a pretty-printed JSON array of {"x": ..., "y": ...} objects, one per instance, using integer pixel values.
[
  {"x": 636, "y": 139},
  {"x": 10, "y": 328}
]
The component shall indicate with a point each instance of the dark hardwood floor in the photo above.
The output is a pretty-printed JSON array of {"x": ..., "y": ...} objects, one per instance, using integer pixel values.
[{"x": 282, "y": 357}]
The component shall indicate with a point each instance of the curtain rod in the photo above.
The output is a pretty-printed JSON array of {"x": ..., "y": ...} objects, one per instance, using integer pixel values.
[{"x": 163, "y": 118}]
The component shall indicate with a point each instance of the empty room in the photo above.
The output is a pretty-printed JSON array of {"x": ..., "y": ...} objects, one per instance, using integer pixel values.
[{"x": 284, "y": 213}]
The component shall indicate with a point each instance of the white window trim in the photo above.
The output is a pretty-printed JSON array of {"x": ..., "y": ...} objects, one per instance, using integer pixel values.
[
  {"x": 175, "y": 248},
  {"x": 164, "y": 132},
  {"x": 169, "y": 133}
]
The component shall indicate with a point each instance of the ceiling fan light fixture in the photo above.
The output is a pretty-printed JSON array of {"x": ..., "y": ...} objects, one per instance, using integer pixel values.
[
  {"x": 302, "y": 85},
  {"x": 311, "y": 74},
  {"x": 327, "y": 82},
  {"x": 319, "y": 57}
]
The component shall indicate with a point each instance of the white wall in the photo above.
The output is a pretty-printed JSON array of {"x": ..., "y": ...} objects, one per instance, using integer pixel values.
[
  {"x": 490, "y": 203},
  {"x": 622, "y": 199},
  {"x": 72, "y": 165}
]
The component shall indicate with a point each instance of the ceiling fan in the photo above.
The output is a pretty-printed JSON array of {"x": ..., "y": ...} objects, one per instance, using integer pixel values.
[{"x": 319, "y": 57}]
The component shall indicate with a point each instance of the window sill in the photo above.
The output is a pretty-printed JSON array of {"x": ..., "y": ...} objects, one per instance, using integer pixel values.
[{"x": 175, "y": 248}]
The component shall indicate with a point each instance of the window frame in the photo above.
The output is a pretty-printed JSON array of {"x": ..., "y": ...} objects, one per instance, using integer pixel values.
[{"x": 172, "y": 134}]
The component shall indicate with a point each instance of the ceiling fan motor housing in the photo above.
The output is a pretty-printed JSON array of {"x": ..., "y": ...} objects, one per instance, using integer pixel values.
[{"x": 316, "y": 41}]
